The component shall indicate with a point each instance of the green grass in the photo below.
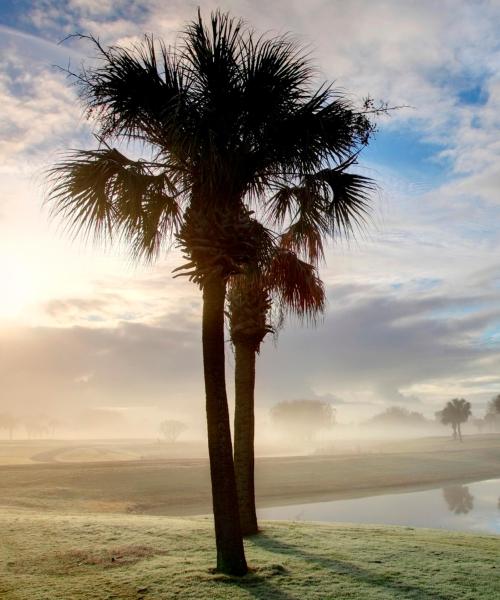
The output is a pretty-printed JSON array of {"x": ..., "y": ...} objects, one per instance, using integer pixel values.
[{"x": 66, "y": 557}]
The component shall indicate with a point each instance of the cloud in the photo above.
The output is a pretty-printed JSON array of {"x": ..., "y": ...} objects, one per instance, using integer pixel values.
[
  {"x": 39, "y": 111},
  {"x": 68, "y": 369},
  {"x": 382, "y": 346}
]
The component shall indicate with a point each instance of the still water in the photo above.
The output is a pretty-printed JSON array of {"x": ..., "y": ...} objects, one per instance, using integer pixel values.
[{"x": 471, "y": 507}]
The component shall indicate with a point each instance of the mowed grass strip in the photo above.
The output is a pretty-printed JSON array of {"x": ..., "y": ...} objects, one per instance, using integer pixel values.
[{"x": 62, "y": 557}]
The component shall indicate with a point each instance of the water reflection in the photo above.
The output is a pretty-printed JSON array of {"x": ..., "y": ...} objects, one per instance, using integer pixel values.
[
  {"x": 465, "y": 507},
  {"x": 460, "y": 501}
]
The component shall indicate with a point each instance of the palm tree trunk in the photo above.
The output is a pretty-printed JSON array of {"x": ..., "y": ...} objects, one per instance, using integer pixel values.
[
  {"x": 229, "y": 542},
  {"x": 244, "y": 428},
  {"x": 459, "y": 432}
]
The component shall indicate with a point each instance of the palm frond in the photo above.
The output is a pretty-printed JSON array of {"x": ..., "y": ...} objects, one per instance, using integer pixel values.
[
  {"x": 348, "y": 197},
  {"x": 296, "y": 286},
  {"x": 140, "y": 93},
  {"x": 102, "y": 193},
  {"x": 327, "y": 203}
]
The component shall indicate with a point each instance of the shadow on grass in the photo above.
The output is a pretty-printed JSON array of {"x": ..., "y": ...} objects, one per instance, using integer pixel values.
[
  {"x": 398, "y": 590},
  {"x": 262, "y": 589},
  {"x": 258, "y": 583}
]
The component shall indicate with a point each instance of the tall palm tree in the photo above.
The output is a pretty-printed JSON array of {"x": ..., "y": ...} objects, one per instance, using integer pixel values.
[
  {"x": 456, "y": 412},
  {"x": 224, "y": 119},
  {"x": 292, "y": 286}
]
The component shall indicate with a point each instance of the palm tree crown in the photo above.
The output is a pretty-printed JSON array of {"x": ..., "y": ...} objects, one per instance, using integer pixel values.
[
  {"x": 227, "y": 118},
  {"x": 456, "y": 412}
]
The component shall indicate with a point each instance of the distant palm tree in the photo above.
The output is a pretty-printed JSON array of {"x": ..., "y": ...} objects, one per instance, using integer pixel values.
[
  {"x": 226, "y": 119},
  {"x": 293, "y": 287},
  {"x": 456, "y": 412}
]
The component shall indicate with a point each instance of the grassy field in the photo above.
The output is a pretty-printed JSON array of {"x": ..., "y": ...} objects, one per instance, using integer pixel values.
[
  {"x": 181, "y": 487},
  {"x": 81, "y": 521},
  {"x": 48, "y": 557}
]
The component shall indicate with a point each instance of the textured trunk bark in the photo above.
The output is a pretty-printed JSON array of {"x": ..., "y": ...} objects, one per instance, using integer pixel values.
[
  {"x": 244, "y": 427},
  {"x": 229, "y": 542}
]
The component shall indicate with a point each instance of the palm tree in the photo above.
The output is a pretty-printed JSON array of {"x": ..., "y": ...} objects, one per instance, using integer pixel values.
[
  {"x": 294, "y": 287},
  {"x": 225, "y": 119},
  {"x": 456, "y": 412}
]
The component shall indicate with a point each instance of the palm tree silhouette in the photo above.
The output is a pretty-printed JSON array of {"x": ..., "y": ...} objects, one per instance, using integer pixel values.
[
  {"x": 293, "y": 287},
  {"x": 456, "y": 412},
  {"x": 225, "y": 119}
]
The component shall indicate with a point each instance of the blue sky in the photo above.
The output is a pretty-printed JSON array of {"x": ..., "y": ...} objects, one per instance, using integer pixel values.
[{"x": 414, "y": 310}]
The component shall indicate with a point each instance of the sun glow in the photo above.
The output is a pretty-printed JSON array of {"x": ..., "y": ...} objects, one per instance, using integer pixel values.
[{"x": 19, "y": 289}]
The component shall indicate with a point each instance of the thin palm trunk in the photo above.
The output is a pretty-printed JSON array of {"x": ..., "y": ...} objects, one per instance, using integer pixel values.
[
  {"x": 244, "y": 428},
  {"x": 230, "y": 552},
  {"x": 459, "y": 432}
]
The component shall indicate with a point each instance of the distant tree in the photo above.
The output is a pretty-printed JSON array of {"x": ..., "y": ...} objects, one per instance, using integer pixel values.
[
  {"x": 456, "y": 412},
  {"x": 494, "y": 405},
  {"x": 171, "y": 429},
  {"x": 8, "y": 423},
  {"x": 303, "y": 418},
  {"x": 398, "y": 416},
  {"x": 460, "y": 501}
]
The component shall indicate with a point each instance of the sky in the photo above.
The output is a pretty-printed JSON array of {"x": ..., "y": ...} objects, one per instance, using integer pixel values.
[{"x": 413, "y": 314}]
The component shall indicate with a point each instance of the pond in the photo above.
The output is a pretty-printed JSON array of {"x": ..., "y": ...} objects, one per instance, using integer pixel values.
[{"x": 473, "y": 507}]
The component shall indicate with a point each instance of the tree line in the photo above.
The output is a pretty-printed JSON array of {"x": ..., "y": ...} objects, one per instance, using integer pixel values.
[{"x": 34, "y": 426}]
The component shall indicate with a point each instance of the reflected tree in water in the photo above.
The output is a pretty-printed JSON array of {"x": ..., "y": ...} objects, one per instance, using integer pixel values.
[{"x": 458, "y": 498}]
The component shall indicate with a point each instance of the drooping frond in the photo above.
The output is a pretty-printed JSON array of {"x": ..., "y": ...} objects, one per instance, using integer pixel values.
[
  {"x": 102, "y": 193},
  {"x": 262, "y": 296},
  {"x": 296, "y": 286}
]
